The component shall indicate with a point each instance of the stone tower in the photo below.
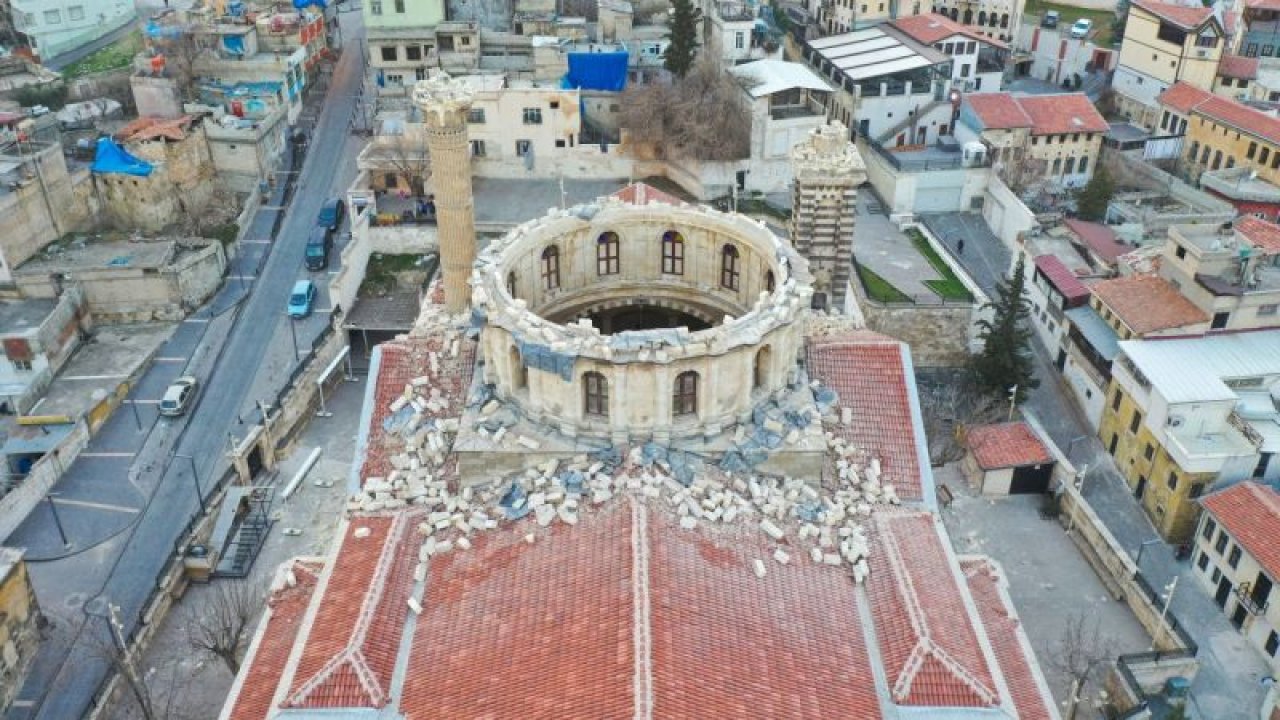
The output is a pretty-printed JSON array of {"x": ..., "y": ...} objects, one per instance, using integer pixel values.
[
  {"x": 444, "y": 103},
  {"x": 828, "y": 171}
]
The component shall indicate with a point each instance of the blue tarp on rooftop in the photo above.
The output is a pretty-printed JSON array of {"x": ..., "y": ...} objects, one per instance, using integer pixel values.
[
  {"x": 111, "y": 158},
  {"x": 597, "y": 71}
]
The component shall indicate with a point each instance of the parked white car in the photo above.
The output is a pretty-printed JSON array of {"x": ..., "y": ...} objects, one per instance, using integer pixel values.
[
  {"x": 1081, "y": 28},
  {"x": 179, "y": 396}
]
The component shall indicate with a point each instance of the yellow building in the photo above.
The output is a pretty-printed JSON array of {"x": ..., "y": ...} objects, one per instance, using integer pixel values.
[
  {"x": 1036, "y": 138},
  {"x": 1164, "y": 45},
  {"x": 19, "y": 620},
  {"x": 1221, "y": 133},
  {"x": 1184, "y": 414}
]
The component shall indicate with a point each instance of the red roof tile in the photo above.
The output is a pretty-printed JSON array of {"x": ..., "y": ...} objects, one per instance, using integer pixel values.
[
  {"x": 150, "y": 128},
  {"x": 1061, "y": 277},
  {"x": 998, "y": 111},
  {"x": 1065, "y": 113},
  {"x": 1261, "y": 234},
  {"x": 1261, "y": 5},
  {"x": 351, "y": 644},
  {"x": 1183, "y": 97},
  {"x": 1006, "y": 445},
  {"x": 1147, "y": 303},
  {"x": 931, "y": 28},
  {"x": 265, "y": 663},
  {"x": 644, "y": 194},
  {"x": 930, "y": 650},
  {"x": 1013, "y": 651},
  {"x": 1100, "y": 238},
  {"x": 867, "y": 372},
  {"x": 1250, "y": 513},
  {"x": 1187, "y": 99},
  {"x": 1236, "y": 66},
  {"x": 1184, "y": 16}
]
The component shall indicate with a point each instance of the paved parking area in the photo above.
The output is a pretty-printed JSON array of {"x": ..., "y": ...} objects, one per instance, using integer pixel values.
[
  {"x": 109, "y": 357},
  {"x": 1049, "y": 580}
]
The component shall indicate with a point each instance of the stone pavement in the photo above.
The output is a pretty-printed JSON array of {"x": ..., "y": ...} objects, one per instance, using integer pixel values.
[
  {"x": 887, "y": 251},
  {"x": 502, "y": 203},
  {"x": 985, "y": 258}
]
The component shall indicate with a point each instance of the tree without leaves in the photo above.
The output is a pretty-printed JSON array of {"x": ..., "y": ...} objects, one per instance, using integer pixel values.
[
  {"x": 1005, "y": 360},
  {"x": 1092, "y": 202},
  {"x": 1079, "y": 651},
  {"x": 703, "y": 116},
  {"x": 408, "y": 154},
  {"x": 221, "y": 626},
  {"x": 946, "y": 405},
  {"x": 680, "y": 54}
]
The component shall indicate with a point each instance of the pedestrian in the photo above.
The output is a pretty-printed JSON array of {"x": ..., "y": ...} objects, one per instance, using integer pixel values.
[{"x": 960, "y": 246}]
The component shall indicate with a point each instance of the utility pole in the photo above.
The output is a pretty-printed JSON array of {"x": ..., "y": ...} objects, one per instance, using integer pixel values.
[
  {"x": 1168, "y": 600},
  {"x": 126, "y": 661},
  {"x": 196, "y": 477},
  {"x": 57, "y": 521},
  {"x": 1013, "y": 397}
]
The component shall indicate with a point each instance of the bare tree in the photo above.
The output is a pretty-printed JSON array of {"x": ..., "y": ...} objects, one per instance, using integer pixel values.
[
  {"x": 703, "y": 115},
  {"x": 408, "y": 155},
  {"x": 1023, "y": 173},
  {"x": 221, "y": 625},
  {"x": 947, "y": 407},
  {"x": 1080, "y": 651}
]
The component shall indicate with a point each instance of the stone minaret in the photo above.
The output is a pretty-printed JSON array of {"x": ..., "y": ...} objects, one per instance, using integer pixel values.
[
  {"x": 828, "y": 171},
  {"x": 444, "y": 103}
]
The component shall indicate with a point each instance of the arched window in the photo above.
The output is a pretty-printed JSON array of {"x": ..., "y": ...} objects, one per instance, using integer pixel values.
[
  {"x": 511, "y": 284},
  {"x": 1195, "y": 147},
  {"x": 992, "y": 20},
  {"x": 607, "y": 253},
  {"x": 672, "y": 253},
  {"x": 519, "y": 373},
  {"x": 1204, "y": 155},
  {"x": 551, "y": 267},
  {"x": 955, "y": 14},
  {"x": 768, "y": 280},
  {"x": 729, "y": 267},
  {"x": 764, "y": 356},
  {"x": 1004, "y": 20},
  {"x": 982, "y": 17},
  {"x": 595, "y": 394},
  {"x": 968, "y": 17},
  {"x": 1217, "y": 159},
  {"x": 685, "y": 397},
  {"x": 1231, "y": 162}
]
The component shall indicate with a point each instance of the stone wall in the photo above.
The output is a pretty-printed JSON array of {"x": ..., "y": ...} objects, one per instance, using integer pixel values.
[
  {"x": 15, "y": 506},
  {"x": 937, "y": 334},
  {"x": 179, "y": 186},
  {"x": 19, "y": 626},
  {"x": 1006, "y": 215},
  {"x": 43, "y": 207}
]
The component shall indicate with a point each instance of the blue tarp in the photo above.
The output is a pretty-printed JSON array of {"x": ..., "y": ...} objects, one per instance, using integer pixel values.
[
  {"x": 299, "y": 4},
  {"x": 233, "y": 44},
  {"x": 111, "y": 158},
  {"x": 597, "y": 71},
  {"x": 541, "y": 357}
]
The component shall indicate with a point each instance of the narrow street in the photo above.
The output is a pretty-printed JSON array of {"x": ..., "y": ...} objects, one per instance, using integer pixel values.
[{"x": 119, "y": 547}]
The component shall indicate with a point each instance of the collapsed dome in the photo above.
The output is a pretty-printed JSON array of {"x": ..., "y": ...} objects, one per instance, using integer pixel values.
[{"x": 630, "y": 322}]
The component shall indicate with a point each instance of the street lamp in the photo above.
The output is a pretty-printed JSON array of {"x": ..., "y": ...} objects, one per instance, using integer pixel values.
[
  {"x": 195, "y": 476},
  {"x": 1137, "y": 562},
  {"x": 1071, "y": 445},
  {"x": 1168, "y": 600},
  {"x": 136, "y": 418},
  {"x": 293, "y": 331},
  {"x": 57, "y": 521}
]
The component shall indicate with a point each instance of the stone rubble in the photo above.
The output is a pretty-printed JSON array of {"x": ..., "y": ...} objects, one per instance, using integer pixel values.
[{"x": 797, "y": 519}]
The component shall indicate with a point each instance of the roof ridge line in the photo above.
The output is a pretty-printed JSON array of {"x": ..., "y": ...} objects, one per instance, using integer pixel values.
[{"x": 642, "y": 627}]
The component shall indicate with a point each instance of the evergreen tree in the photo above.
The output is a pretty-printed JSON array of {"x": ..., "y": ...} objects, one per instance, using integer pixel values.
[
  {"x": 1092, "y": 202},
  {"x": 1005, "y": 360},
  {"x": 685, "y": 19}
]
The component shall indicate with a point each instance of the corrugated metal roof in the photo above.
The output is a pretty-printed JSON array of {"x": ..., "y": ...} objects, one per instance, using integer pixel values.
[
  {"x": 1100, "y": 335},
  {"x": 771, "y": 76},
  {"x": 1193, "y": 369},
  {"x": 874, "y": 52}
]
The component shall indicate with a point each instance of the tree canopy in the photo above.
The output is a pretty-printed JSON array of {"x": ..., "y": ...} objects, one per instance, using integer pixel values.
[{"x": 1006, "y": 361}]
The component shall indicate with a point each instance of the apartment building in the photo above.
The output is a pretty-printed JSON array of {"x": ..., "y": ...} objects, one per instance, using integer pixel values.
[
  {"x": 1237, "y": 78},
  {"x": 55, "y": 27},
  {"x": 1164, "y": 45},
  {"x": 997, "y": 19},
  {"x": 1184, "y": 414},
  {"x": 978, "y": 60},
  {"x": 1238, "y": 561},
  {"x": 1035, "y": 139},
  {"x": 1232, "y": 274}
]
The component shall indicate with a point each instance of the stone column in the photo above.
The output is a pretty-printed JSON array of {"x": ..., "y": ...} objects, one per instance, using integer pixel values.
[
  {"x": 444, "y": 103},
  {"x": 828, "y": 171}
]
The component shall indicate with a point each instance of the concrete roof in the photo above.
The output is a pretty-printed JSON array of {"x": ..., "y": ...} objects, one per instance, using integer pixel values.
[
  {"x": 18, "y": 317},
  {"x": 1193, "y": 369},
  {"x": 771, "y": 76}
]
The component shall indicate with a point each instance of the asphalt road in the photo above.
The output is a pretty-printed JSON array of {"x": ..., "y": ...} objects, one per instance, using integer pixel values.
[{"x": 119, "y": 548}]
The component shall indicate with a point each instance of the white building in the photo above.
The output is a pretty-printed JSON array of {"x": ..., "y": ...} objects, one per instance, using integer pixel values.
[
  {"x": 36, "y": 337},
  {"x": 1238, "y": 562},
  {"x": 978, "y": 60},
  {"x": 53, "y": 27},
  {"x": 788, "y": 102},
  {"x": 735, "y": 33}
]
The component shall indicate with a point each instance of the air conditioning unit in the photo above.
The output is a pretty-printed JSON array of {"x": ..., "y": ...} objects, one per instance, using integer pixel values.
[
  {"x": 1176, "y": 420},
  {"x": 1202, "y": 53}
]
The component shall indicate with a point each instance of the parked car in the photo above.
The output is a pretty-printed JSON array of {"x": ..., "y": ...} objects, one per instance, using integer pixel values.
[
  {"x": 331, "y": 214},
  {"x": 1050, "y": 19},
  {"x": 179, "y": 396},
  {"x": 1081, "y": 28},
  {"x": 318, "y": 245},
  {"x": 301, "y": 299}
]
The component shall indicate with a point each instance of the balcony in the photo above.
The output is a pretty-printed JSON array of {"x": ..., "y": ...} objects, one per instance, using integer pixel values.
[
  {"x": 1197, "y": 450},
  {"x": 792, "y": 108}
]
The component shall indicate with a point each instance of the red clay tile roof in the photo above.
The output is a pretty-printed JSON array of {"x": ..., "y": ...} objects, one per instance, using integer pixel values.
[
  {"x": 1185, "y": 17},
  {"x": 930, "y": 650},
  {"x": 1261, "y": 5},
  {"x": 1006, "y": 445},
  {"x": 1261, "y": 234},
  {"x": 867, "y": 372},
  {"x": 352, "y": 641},
  {"x": 265, "y": 662},
  {"x": 1013, "y": 651},
  {"x": 1061, "y": 277},
  {"x": 998, "y": 111},
  {"x": 643, "y": 194},
  {"x": 1064, "y": 113},
  {"x": 1250, "y": 513},
  {"x": 150, "y": 128},
  {"x": 1183, "y": 97},
  {"x": 931, "y": 28},
  {"x": 1236, "y": 66},
  {"x": 1186, "y": 99},
  {"x": 627, "y": 609},
  {"x": 1098, "y": 237},
  {"x": 1147, "y": 303}
]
